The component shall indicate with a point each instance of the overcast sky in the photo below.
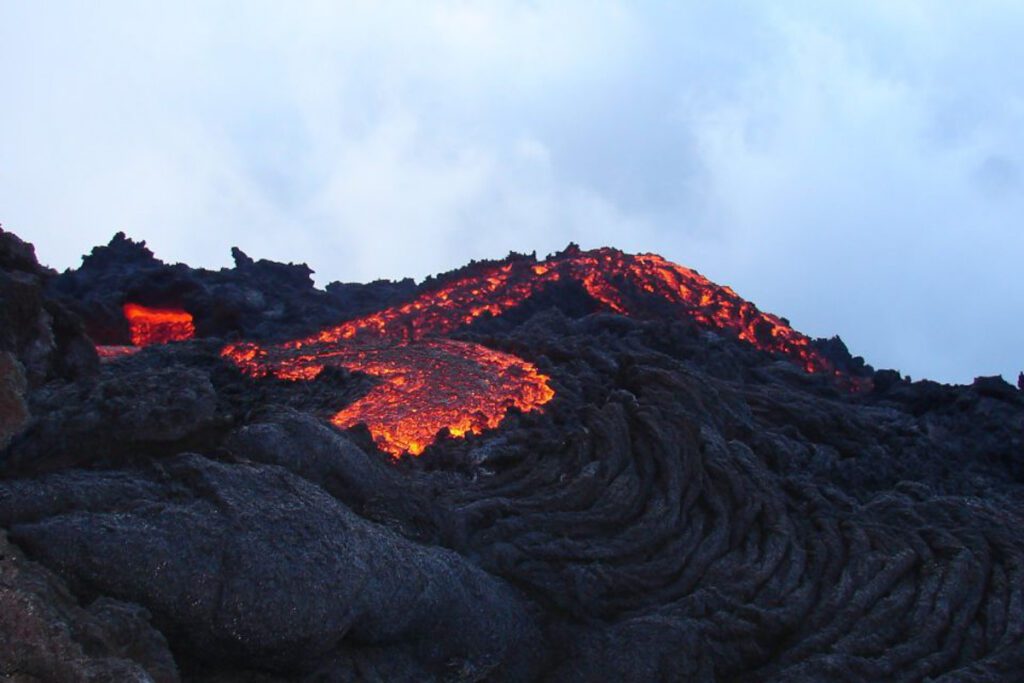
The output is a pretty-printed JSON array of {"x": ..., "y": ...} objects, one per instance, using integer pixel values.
[{"x": 855, "y": 167}]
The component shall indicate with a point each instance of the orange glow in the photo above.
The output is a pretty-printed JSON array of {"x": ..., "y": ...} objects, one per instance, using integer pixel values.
[
  {"x": 157, "y": 325},
  {"x": 423, "y": 386},
  {"x": 438, "y": 384},
  {"x": 428, "y": 383},
  {"x": 603, "y": 273}
]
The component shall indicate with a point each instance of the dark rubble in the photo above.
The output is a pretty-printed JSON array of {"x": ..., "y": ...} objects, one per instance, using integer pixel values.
[{"x": 686, "y": 508}]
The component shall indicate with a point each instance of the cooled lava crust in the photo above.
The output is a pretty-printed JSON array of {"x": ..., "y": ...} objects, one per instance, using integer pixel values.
[{"x": 593, "y": 467}]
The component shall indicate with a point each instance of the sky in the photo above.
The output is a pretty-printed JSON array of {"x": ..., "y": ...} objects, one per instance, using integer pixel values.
[{"x": 854, "y": 167}]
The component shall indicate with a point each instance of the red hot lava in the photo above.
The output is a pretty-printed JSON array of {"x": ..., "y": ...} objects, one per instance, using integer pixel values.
[
  {"x": 429, "y": 383},
  {"x": 605, "y": 274},
  {"x": 424, "y": 387},
  {"x": 437, "y": 384},
  {"x": 148, "y": 326},
  {"x": 157, "y": 325}
]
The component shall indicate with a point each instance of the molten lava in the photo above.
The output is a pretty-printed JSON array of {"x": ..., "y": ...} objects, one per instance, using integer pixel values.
[
  {"x": 438, "y": 384},
  {"x": 157, "y": 325},
  {"x": 423, "y": 386},
  {"x": 147, "y": 326},
  {"x": 616, "y": 280},
  {"x": 428, "y": 383}
]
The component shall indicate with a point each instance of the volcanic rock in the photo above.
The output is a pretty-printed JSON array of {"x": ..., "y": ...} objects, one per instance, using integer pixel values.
[
  {"x": 46, "y": 636},
  {"x": 107, "y": 419},
  {"x": 252, "y": 565},
  {"x": 46, "y": 339},
  {"x": 13, "y": 412},
  {"x": 705, "y": 494},
  {"x": 319, "y": 454},
  {"x": 255, "y": 299}
]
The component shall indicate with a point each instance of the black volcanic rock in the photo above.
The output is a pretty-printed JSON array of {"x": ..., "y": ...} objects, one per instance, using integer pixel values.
[
  {"x": 255, "y": 299},
  {"x": 686, "y": 507},
  {"x": 39, "y": 339},
  {"x": 46, "y": 636},
  {"x": 107, "y": 420},
  {"x": 255, "y": 566},
  {"x": 47, "y": 340},
  {"x": 320, "y": 454},
  {"x": 13, "y": 411}
]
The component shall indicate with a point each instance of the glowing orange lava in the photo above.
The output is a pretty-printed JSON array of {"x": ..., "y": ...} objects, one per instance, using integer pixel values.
[
  {"x": 438, "y": 384},
  {"x": 157, "y": 325},
  {"x": 423, "y": 386},
  {"x": 606, "y": 274},
  {"x": 428, "y": 383},
  {"x": 148, "y": 326}
]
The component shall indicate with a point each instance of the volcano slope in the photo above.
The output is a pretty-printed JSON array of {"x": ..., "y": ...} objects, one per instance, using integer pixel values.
[{"x": 593, "y": 467}]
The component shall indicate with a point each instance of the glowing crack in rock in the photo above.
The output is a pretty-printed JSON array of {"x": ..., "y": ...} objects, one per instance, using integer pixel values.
[
  {"x": 147, "y": 326},
  {"x": 428, "y": 383},
  {"x": 157, "y": 325}
]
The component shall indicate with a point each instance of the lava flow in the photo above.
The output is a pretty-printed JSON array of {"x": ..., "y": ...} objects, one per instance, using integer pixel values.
[
  {"x": 617, "y": 281},
  {"x": 147, "y": 326},
  {"x": 428, "y": 383},
  {"x": 423, "y": 387},
  {"x": 157, "y": 325},
  {"x": 438, "y": 384}
]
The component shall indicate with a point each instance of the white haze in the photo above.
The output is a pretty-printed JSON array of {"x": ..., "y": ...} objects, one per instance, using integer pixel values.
[{"x": 855, "y": 167}]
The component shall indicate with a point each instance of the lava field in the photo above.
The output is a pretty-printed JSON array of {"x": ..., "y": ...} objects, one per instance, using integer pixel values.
[{"x": 596, "y": 466}]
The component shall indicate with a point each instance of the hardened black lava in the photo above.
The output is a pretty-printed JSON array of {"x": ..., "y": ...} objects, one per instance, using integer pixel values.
[{"x": 692, "y": 500}]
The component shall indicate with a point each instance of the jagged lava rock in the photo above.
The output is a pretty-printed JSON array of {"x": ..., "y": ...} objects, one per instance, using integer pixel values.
[{"x": 691, "y": 504}]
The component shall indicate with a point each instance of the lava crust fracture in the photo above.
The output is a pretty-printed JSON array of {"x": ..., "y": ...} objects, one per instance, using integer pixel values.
[{"x": 625, "y": 473}]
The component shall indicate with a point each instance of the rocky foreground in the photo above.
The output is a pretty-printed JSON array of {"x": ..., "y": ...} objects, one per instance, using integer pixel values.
[{"x": 686, "y": 507}]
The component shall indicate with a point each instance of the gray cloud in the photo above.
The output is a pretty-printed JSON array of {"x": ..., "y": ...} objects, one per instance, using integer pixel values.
[{"x": 853, "y": 168}]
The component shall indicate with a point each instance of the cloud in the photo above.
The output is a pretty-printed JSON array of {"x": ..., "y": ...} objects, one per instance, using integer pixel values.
[{"x": 853, "y": 168}]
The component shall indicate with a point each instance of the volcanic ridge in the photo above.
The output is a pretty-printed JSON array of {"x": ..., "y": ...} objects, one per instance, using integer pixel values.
[{"x": 597, "y": 466}]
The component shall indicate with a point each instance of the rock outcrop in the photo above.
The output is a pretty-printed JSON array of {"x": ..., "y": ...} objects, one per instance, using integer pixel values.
[{"x": 46, "y": 636}]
